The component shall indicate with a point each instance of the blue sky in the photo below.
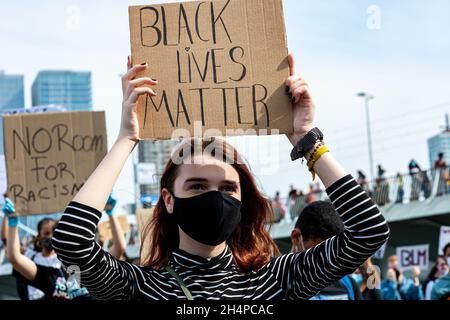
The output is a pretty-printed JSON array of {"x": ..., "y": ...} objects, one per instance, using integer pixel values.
[{"x": 405, "y": 64}]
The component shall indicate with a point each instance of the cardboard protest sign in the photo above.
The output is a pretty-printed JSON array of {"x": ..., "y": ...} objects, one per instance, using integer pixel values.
[
  {"x": 49, "y": 157},
  {"x": 444, "y": 239},
  {"x": 104, "y": 228},
  {"x": 413, "y": 256},
  {"x": 143, "y": 219},
  {"x": 220, "y": 65}
]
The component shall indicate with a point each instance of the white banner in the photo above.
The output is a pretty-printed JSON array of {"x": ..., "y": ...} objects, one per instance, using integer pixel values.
[
  {"x": 146, "y": 173},
  {"x": 36, "y": 109},
  {"x": 413, "y": 256},
  {"x": 444, "y": 238}
]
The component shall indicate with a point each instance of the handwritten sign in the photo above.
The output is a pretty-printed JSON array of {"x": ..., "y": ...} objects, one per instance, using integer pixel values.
[
  {"x": 49, "y": 157},
  {"x": 104, "y": 228},
  {"x": 220, "y": 65},
  {"x": 413, "y": 256}
]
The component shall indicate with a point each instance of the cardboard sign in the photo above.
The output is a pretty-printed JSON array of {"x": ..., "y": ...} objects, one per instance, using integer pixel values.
[
  {"x": 220, "y": 65},
  {"x": 104, "y": 228},
  {"x": 413, "y": 256},
  {"x": 444, "y": 239},
  {"x": 143, "y": 218},
  {"x": 50, "y": 156}
]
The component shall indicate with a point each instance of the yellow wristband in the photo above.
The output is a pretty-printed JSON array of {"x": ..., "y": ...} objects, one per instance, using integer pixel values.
[{"x": 313, "y": 159}]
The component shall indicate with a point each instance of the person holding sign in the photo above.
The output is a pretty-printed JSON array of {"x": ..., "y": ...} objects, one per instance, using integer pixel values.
[
  {"x": 209, "y": 238},
  {"x": 44, "y": 271},
  {"x": 118, "y": 246}
]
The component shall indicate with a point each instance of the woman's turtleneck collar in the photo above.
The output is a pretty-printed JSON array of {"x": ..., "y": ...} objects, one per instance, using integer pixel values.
[{"x": 185, "y": 260}]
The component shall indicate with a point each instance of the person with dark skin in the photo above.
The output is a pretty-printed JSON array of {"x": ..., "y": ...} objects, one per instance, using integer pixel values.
[
  {"x": 48, "y": 275},
  {"x": 316, "y": 223}
]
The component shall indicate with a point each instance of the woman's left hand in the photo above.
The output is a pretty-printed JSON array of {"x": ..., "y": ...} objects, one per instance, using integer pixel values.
[{"x": 300, "y": 96}]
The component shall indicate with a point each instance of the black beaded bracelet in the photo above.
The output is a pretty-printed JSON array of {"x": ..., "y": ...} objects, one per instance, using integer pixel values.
[{"x": 306, "y": 144}]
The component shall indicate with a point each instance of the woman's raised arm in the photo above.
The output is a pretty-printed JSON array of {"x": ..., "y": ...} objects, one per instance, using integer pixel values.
[{"x": 97, "y": 188}]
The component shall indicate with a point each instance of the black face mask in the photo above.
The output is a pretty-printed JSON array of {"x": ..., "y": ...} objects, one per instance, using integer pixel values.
[
  {"x": 46, "y": 243},
  {"x": 209, "y": 218}
]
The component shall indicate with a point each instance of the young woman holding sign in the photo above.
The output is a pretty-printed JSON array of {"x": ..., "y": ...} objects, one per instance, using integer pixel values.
[{"x": 209, "y": 239}]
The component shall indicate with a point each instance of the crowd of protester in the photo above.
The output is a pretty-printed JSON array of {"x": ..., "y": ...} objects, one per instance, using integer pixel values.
[{"x": 418, "y": 182}]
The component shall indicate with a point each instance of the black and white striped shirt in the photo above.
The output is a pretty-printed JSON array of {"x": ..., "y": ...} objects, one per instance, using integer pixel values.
[{"x": 291, "y": 276}]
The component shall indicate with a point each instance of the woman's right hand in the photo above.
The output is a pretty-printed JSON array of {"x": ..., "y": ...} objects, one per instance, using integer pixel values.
[
  {"x": 10, "y": 212},
  {"x": 132, "y": 89}
]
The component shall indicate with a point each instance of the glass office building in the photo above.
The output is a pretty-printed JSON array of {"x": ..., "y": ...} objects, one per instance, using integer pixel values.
[{"x": 69, "y": 89}]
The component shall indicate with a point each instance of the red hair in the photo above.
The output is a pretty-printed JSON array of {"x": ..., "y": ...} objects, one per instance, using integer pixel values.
[{"x": 251, "y": 245}]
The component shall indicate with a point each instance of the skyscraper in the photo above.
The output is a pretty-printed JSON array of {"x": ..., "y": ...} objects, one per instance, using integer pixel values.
[
  {"x": 66, "y": 88},
  {"x": 11, "y": 91}
]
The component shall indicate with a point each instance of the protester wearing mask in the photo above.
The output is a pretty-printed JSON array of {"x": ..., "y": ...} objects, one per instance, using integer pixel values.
[
  {"x": 439, "y": 270},
  {"x": 441, "y": 289},
  {"x": 316, "y": 223},
  {"x": 42, "y": 271},
  {"x": 389, "y": 286},
  {"x": 368, "y": 278},
  {"x": 409, "y": 288},
  {"x": 209, "y": 237}
]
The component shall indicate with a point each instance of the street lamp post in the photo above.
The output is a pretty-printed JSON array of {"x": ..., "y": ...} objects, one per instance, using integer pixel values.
[{"x": 367, "y": 97}]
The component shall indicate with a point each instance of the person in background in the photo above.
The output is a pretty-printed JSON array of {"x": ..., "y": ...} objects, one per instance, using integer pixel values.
[
  {"x": 369, "y": 280},
  {"x": 381, "y": 187},
  {"x": 311, "y": 195},
  {"x": 439, "y": 270},
  {"x": 299, "y": 205},
  {"x": 440, "y": 166},
  {"x": 279, "y": 211},
  {"x": 441, "y": 289},
  {"x": 44, "y": 271},
  {"x": 414, "y": 172},
  {"x": 362, "y": 181},
  {"x": 400, "y": 189},
  {"x": 393, "y": 264},
  {"x": 290, "y": 202},
  {"x": 117, "y": 249},
  {"x": 316, "y": 223},
  {"x": 409, "y": 288},
  {"x": 389, "y": 286},
  {"x": 426, "y": 184}
]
